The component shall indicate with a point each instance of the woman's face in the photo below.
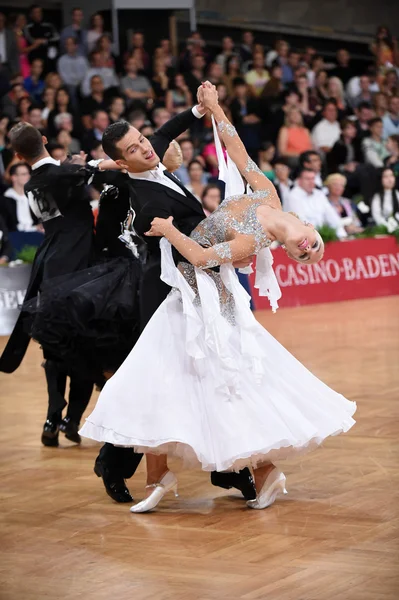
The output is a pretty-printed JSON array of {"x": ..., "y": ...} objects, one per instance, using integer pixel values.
[
  {"x": 333, "y": 87},
  {"x": 105, "y": 43},
  {"x": 381, "y": 101},
  {"x": 64, "y": 138},
  {"x": 49, "y": 95},
  {"x": 388, "y": 180},
  {"x": 305, "y": 245},
  {"x": 62, "y": 97},
  {"x": 336, "y": 188},
  {"x": 392, "y": 146},
  {"x": 179, "y": 81},
  {"x": 211, "y": 200},
  {"x": 222, "y": 91},
  {"x": 269, "y": 154},
  {"x": 391, "y": 79},
  {"x": 321, "y": 78},
  {"x": 98, "y": 21},
  {"x": 195, "y": 172},
  {"x": 20, "y": 21},
  {"x": 24, "y": 105},
  {"x": 295, "y": 118},
  {"x": 234, "y": 64}
]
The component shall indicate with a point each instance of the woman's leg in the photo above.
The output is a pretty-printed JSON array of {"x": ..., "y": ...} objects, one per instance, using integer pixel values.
[
  {"x": 157, "y": 467},
  {"x": 261, "y": 474}
]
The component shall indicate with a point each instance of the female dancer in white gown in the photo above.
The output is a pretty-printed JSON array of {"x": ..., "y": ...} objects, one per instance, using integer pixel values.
[{"x": 206, "y": 382}]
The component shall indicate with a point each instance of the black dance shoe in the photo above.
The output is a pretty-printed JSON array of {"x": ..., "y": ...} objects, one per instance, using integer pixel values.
[
  {"x": 114, "y": 486},
  {"x": 70, "y": 429},
  {"x": 50, "y": 434},
  {"x": 242, "y": 481}
]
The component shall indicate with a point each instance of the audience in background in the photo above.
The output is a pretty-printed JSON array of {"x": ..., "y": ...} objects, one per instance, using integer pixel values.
[{"x": 385, "y": 203}]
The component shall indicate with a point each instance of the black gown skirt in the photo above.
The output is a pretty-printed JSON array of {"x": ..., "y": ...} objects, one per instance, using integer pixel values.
[{"x": 89, "y": 319}]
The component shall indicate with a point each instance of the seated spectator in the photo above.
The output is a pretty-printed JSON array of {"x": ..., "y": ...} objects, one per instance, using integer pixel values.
[
  {"x": 328, "y": 130},
  {"x": 136, "y": 88},
  {"x": 196, "y": 75},
  {"x": 383, "y": 47},
  {"x": 14, "y": 205},
  {"x": 211, "y": 198},
  {"x": 317, "y": 65},
  {"x": 23, "y": 47},
  {"x": 6, "y": 249},
  {"x": 107, "y": 74},
  {"x": 385, "y": 203},
  {"x": 336, "y": 184},
  {"x": 344, "y": 157},
  {"x": 266, "y": 157},
  {"x": 137, "y": 118},
  {"x": 100, "y": 122},
  {"x": 274, "y": 86},
  {"x": 197, "y": 178},
  {"x": 290, "y": 66},
  {"x": 64, "y": 122},
  {"x": 233, "y": 70},
  {"x": 319, "y": 92},
  {"x": 34, "y": 84},
  {"x": 72, "y": 66},
  {"x": 374, "y": 148},
  {"x": 391, "y": 119},
  {"x": 160, "y": 116},
  {"x": 226, "y": 53},
  {"x": 57, "y": 151},
  {"x": 95, "y": 32},
  {"x": 244, "y": 112},
  {"x": 290, "y": 99},
  {"x": 344, "y": 71},
  {"x": 353, "y": 86},
  {"x": 116, "y": 109},
  {"x": 257, "y": 77},
  {"x": 392, "y": 161},
  {"x": 23, "y": 107},
  {"x": 365, "y": 94},
  {"x": 160, "y": 81},
  {"x": 63, "y": 104},
  {"x": 187, "y": 149},
  {"x": 294, "y": 138},
  {"x": 311, "y": 160},
  {"x": 49, "y": 104},
  {"x": 282, "y": 181},
  {"x": 96, "y": 101},
  {"x": 307, "y": 56},
  {"x": 312, "y": 205},
  {"x": 147, "y": 129},
  {"x": 138, "y": 51},
  {"x": 301, "y": 87},
  {"x": 104, "y": 47},
  {"x": 278, "y": 55},
  {"x": 215, "y": 74},
  {"x": 335, "y": 91},
  {"x": 247, "y": 46},
  {"x": 71, "y": 145},
  {"x": 364, "y": 114},
  {"x": 178, "y": 97},
  {"x": 390, "y": 85},
  {"x": 223, "y": 96},
  {"x": 77, "y": 32},
  {"x": 53, "y": 80},
  {"x": 167, "y": 54},
  {"x": 380, "y": 104},
  {"x": 9, "y": 102},
  {"x": 35, "y": 117}
]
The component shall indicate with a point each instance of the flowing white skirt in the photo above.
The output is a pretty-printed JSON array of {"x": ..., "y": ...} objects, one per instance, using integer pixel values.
[{"x": 216, "y": 394}]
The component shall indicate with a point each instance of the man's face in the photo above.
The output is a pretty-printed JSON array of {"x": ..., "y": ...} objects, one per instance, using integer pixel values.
[
  {"x": 187, "y": 149},
  {"x": 259, "y": 61},
  {"x": 228, "y": 44},
  {"x": 138, "y": 40},
  {"x": 37, "y": 68},
  {"x": 215, "y": 72},
  {"x": 198, "y": 62},
  {"x": 394, "y": 105},
  {"x": 282, "y": 172},
  {"x": 343, "y": 57},
  {"x": 365, "y": 115},
  {"x": 101, "y": 121},
  {"x": 161, "y": 117},
  {"x": 78, "y": 16},
  {"x": 293, "y": 59},
  {"x": 96, "y": 60},
  {"x": 20, "y": 177},
  {"x": 97, "y": 85},
  {"x": 314, "y": 163},
  {"x": 307, "y": 181},
  {"x": 131, "y": 65},
  {"x": 118, "y": 106},
  {"x": 248, "y": 38},
  {"x": 364, "y": 83},
  {"x": 35, "y": 118},
  {"x": 59, "y": 154},
  {"x": 137, "y": 153},
  {"x": 330, "y": 113},
  {"x": 36, "y": 14},
  {"x": 70, "y": 46},
  {"x": 376, "y": 129},
  {"x": 350, "y": 132}
]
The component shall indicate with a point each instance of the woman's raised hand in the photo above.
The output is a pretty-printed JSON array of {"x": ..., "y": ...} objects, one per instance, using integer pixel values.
[
  {"x": 208, "y": 95},
  {"x": 160, "y": 227}
]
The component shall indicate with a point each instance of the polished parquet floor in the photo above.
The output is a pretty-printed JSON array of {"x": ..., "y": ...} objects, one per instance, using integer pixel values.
[{"x": 334, "y": 537}]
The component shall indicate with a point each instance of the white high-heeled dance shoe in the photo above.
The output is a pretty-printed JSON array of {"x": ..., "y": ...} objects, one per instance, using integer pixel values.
[
  {"x": 273, "y": 486},
  {"x": 167, "y": 484}
]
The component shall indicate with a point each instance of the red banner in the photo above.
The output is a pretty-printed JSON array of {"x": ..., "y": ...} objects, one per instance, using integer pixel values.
[{"x": 364, "y": 268}]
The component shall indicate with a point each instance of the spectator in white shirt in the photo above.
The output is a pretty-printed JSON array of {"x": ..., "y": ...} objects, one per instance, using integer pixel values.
[
  {"x": 328, "y": 130},
  {"x": 374, "y": 148},
  {"x": 227, "y": 51},
  {"x": 312, "y": 205},
  {"x": 282, "y": 181},
  {"x": 311, "y": 160},
  {"x": 15, "y": 205},
  {"x": 385, "y": 204}
]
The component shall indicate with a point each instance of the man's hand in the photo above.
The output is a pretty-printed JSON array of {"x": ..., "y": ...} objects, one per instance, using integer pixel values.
[
  {"x": 207, "y": 95},
  {"x": 245, "y": 262},
  {"x": 78, "y": 159}
]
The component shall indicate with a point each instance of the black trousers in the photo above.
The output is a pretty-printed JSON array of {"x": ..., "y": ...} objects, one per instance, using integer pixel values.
[
  {"x": 80, "y": 391},
  {"x": 120, "y": 462}
]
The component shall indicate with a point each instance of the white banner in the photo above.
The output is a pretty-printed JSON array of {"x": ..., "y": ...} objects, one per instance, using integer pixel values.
[{"x": 13, "y": 284}]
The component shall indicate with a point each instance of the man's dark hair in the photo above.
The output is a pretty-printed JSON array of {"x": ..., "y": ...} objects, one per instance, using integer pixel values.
[
  {"x": 14, "y": 168},
  {"x": 75, "y": 9},
  {"x": 347, "y": 123},
  {"x": 374, "y": 121},
  {"x": 112, "y": 135},
  {"x": 33, "y": 107},
  {"x": 238, "y": 81},
  {"x": 54, "y": 146},
  {"x": 362, "y": 105},
  {"x": 330, "y": 101},
  {"x": 304, "y": 170},
  {"x": 305, "y": 157},
  {"x": 186, "y": 139},
  {"x": 27, "y": 141}
]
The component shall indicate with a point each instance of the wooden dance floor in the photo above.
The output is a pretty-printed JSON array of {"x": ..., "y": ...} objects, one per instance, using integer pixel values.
[{"x": 334, "y": 537}]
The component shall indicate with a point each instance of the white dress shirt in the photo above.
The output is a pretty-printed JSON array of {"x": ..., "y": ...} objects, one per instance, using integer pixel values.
[
  {"x": 24, "y": 217},
  {"x": 157, "y": 175},
  {"x": 315, "y": 209},
  {"x": 326, "y": 134},
  {"x": 32, "y": 200}
]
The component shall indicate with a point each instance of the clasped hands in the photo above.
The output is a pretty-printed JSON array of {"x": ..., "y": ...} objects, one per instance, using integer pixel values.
[{"x": 207, "y": 96}]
